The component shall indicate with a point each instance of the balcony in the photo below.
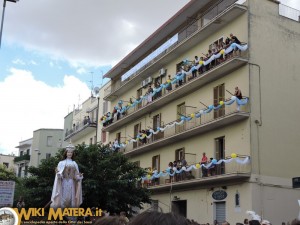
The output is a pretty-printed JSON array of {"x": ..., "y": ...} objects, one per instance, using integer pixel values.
[
  {"x": 221, "y": 175},
  {"x": 220, "y": 19},
  {"x": 190, "y": 86},
  {"x": 25, "y": 157},
  {"x": 196, "y": 126},
  {"x": 81, "y": 130}
]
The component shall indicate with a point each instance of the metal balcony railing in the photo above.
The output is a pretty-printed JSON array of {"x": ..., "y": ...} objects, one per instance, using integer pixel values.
[
  {"x": 156, "y": 98},
  {"x": 224, "y": 171},
  {"x": 79, "y": 127},
  {"x": 22, "y": 158},
  {"x": 206, "y": 119},
  {"x": 188, "y": 31}
]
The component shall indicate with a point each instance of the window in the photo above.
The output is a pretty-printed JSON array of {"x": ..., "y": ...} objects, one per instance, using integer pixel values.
[
  {"x": 219, "y": 95},
  {"x": 6, "y": 164},
  {"x": 179, "y": 153},
  {"x": 220, "y": 211},
  {"x": 136, "y": 130},
  {"x": 216, "y": 43},
  {"x": 154, "y": 205},
  {"x": 157, "y": 123},
  {"x": 237, "y": 199},
  {"x": 156, "y": 162},
  {"x": 20, "y": 171},
  {"x": 26, "y": 170},
  {"x": 103, "y": 136},
  {"x": 139, "y": 93},
  {"x": 105, "y": 107},
  {"x": 155, "y": 166},
  {"x": 21, "y": 153},
  {"x": 118, "y": 137},
  {"x": 28, "y": 151},
  {"x": 181, "y": 111},
  {"x": 48, "y": 155},
  {"x": 49, "y": 141}
]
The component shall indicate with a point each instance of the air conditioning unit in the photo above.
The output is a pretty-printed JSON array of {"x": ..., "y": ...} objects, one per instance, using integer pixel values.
[
  {"x": 162, "y": 72},
  {"x": 146, "y": 82},
  {"x": 149, "y": 80}
]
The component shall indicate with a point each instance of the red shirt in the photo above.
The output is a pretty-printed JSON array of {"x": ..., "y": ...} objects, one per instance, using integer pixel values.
[{"x": 204, "y": 159}]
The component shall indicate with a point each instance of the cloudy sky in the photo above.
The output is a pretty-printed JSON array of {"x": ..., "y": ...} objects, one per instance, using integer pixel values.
[{"x": 54, "y": 51}]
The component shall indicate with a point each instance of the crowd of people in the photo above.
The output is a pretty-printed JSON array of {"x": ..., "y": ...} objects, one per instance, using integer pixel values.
[
  {"x": 159, "y": 218},
  {"x": 186, "y": 66}
]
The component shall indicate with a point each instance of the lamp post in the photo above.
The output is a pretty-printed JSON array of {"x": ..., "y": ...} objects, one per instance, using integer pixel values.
[{"x": 3, "y": 12}]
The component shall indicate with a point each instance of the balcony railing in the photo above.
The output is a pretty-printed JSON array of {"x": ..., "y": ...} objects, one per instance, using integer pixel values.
[
  {"x": 212, "y": 15},
  {"x": 207, "y": 122},
  {"x": 80, "y": 128},
  {"x": 22, "y": 158},
  {"x": 189, "y": 85},
  {"x": 222, "y": 173}
]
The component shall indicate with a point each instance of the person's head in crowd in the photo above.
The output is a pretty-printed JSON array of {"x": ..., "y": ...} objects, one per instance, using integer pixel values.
[
  {"x": 265, "y": 222},
  {"x": 110, "y": 220},
  {"x": 246, "y": 221},
  {"x": 159, "y": 218},
  {"x": 295, "y": 222},
  {"x": 254, "y": 222},
  {"x": 225, "y": 223}
]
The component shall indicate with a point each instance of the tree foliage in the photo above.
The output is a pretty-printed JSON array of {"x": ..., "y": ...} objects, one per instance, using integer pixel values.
[
  {"x": 110, "y": 181},
  {"x": 7, "y": 173}
]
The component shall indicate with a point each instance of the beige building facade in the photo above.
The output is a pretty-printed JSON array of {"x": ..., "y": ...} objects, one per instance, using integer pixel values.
[
  {"x": 81, "y": 126},
  {"x": 23, "y": 160},
  {"x": 254, "y": 143},
  {"x": 45, "y": 143},
  {"x": 7, "y": 161}
]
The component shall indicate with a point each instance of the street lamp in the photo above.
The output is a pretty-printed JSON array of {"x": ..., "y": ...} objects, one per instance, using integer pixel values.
[{"x": 3, "y": 12}]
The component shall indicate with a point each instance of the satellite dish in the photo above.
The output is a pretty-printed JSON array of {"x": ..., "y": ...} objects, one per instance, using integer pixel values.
[{"x": 96, "y": 90}]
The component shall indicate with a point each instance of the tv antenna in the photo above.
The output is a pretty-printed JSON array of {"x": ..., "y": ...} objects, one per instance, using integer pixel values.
[{"x": 92, "y": 83}]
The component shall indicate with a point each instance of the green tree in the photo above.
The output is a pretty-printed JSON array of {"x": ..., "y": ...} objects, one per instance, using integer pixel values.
[
  {"x": 110, "y": 181},
  {"x": 7, "y": 173}
]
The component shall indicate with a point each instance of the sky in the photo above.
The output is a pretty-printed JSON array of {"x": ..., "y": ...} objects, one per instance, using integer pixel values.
[{"x": 54, "y": 52}]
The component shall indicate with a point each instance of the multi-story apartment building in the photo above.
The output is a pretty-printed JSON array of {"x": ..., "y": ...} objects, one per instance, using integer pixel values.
[
  {"x": 22, "y": 161},
  {"x": 252, "y": 143},
  {"x": 45, "y": 143},
  {"x": 81, "y": 126}
]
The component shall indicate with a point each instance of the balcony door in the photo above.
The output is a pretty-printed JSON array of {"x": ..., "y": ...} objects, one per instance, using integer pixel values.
[
  {"x": 137, "y": 129},
  {"x": 139, "y": 93},
  {"x": 156, "y": 166},
  {"x": 181, "y": 111},
  {"x": 220, "y": 154},
  {"x": 219, "y": 95},
  {"x": 157, "y": 123}
]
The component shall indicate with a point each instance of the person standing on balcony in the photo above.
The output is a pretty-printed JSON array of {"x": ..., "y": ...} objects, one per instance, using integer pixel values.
[
  {"x": 149, "y": 92},
  {"x": 238, "y": 93},
  {"x": 204, "y": 162},
  {"x": 169, "y": 88},
  {"x": 234, "y": 39},
  {"x": 196, "y": 62}
]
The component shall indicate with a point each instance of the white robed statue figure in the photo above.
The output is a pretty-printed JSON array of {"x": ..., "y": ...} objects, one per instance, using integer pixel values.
[{"x": 67, "y": 188}]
